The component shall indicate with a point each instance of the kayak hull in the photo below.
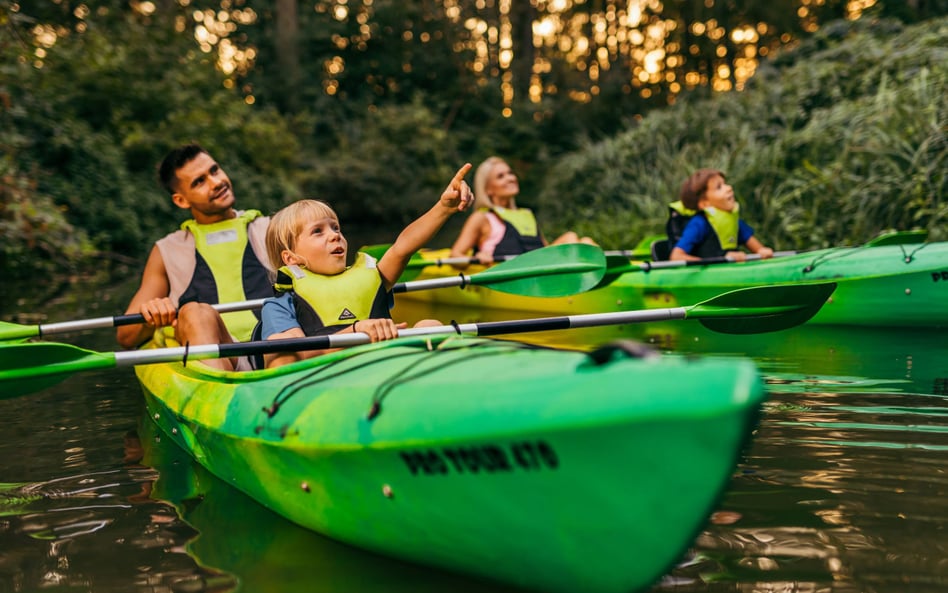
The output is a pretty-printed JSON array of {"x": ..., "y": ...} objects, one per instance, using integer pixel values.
[
  {"x": 589, "y": 476},
  {"x": 902, "y": 285}
]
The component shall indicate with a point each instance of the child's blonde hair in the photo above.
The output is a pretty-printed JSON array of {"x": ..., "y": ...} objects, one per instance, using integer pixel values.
[{"x": 287, "y": 224}]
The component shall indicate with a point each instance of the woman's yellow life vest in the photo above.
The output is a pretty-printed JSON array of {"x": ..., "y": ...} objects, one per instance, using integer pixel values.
[{"x": 522, "y": 231}]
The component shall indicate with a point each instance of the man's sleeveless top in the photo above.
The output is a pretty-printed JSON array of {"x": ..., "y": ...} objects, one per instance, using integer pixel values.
[
  {"x": 328, "y": 304},
  {"x": 222, "y": 262},
  {"x": 520, "y": 234}
]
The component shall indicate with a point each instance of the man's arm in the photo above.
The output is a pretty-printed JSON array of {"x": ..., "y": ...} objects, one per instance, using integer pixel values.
[{"x": 152, "y": 301}]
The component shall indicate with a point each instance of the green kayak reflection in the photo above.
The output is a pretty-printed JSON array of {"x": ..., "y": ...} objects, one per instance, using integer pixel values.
[{"x": 268, "y": 553}]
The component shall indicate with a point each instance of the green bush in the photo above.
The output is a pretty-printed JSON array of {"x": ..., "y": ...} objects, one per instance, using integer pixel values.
[{"x": 826, "y": 150}]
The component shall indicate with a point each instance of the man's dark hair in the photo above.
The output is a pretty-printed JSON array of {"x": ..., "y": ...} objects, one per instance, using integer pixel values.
[{"x": 173, "y": 161}]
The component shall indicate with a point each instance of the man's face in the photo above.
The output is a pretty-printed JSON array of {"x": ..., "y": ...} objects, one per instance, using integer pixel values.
[{"x": 205, "y": 189}]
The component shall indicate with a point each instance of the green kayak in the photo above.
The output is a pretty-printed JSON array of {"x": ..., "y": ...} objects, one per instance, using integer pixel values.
[
  {"x": 878, "y": 285},
  {"x": 546, "y": 469}
]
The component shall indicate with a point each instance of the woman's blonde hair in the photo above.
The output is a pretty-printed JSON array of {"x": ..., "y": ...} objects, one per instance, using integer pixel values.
[
  {"x": 481, "y": 199},
  {"x": 287, "y": 224}
]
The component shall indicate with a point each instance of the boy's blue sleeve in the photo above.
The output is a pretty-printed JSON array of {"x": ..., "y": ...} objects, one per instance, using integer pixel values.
[
  {"x": 744, "y": 232},
  {"x": 694, "y": 234},
  {"x": 278, "y": 315}
]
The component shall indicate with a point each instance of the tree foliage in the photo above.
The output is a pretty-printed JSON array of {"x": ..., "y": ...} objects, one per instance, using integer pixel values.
[
  {"x": 832, "y": 143},
  {"x": 381, "y": 101}
]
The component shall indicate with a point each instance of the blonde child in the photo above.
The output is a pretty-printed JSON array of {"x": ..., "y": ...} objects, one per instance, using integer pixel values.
[{"x": 320, "y": 293}]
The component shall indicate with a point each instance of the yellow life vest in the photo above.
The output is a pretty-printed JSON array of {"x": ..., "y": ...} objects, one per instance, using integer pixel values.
[
  {"x": 326, "y": 304},
  {"x": 226, "y": 265},
  {"x": 725, "y": 225}
]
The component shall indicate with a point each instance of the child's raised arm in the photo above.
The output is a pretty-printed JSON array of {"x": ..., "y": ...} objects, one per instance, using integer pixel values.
[{"x": 455, "y": 198}]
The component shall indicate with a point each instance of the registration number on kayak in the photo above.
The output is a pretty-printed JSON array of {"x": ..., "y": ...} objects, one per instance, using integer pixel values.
[{"x": 517, "y": 456}]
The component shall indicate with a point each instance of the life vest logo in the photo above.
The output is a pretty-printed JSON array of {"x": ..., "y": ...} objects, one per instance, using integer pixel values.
[{"x": 346, "y": 315}]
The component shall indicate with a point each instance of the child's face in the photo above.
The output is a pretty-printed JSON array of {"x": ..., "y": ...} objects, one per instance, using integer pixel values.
[
  {"x": 204, "y": 188},
  {"x": 320, "y": 247},
  {"x": 718, "y": 194}
]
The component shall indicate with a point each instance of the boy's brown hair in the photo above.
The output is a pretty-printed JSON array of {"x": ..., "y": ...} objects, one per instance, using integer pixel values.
[{"x": 693, "y": 189}]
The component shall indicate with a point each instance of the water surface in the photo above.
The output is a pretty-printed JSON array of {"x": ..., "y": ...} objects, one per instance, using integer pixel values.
[{"x": 844, "y": 487}]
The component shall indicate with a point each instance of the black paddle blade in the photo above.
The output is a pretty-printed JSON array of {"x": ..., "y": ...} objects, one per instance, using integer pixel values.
[{"x": 762, "y": 309}]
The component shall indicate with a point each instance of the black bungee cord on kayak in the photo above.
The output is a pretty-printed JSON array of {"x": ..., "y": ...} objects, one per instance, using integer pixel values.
[
  {"x": 835, "y": 254},
  {"x": 310, "y": 378},
  {"x": 386, "y": 387}
]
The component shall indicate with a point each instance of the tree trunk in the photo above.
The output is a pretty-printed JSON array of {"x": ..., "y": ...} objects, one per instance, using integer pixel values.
[{"x": 288, "y": 56}]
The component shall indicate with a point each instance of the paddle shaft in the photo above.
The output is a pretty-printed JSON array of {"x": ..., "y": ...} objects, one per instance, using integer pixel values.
[
  {"x": 489, "y": 328},
  {"x": 551, "y": 271},
  {"x": 492, "y": 328},
  {"x": 118, "y": 320}
]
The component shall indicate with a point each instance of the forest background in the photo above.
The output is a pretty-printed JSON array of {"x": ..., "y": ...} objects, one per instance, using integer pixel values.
[{"x": 828, "y": 116}]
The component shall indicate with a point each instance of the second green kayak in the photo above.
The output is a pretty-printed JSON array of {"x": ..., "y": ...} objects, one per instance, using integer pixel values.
[{"x": 901, "y": 285}]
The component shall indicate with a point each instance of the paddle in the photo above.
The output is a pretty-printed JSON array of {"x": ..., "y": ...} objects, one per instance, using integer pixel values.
[
  {"x": 558, "y": 270},
  {"x": 13, "y": 331},
  {"x": 750, "y": 310},
  {"x": 549, "y": 272},
  {"x": 419, "y": 261},
  {"x": 616, "y": 265},
  {"x": 898, "y": 238}
]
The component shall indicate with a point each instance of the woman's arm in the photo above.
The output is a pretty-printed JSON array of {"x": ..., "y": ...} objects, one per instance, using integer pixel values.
[{"x": 476, "y": 229}]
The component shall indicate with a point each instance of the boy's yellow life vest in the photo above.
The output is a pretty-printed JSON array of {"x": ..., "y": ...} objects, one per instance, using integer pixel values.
[
  {"x": 336, "y": 300},
  {"x": 725, "y": 225},
  {"x": 679, "y": 207}
]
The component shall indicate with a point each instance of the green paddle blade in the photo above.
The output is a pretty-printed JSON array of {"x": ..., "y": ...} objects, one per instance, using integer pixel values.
[
  {"x": 19, "y": 362},
  {"x": 13, "y": 331},
  {"x": 376, "y": 251},
  {"x": 898, "y": 238},
  {"x": 558, "y": 270},
  {"x": 761, "y": 309}
]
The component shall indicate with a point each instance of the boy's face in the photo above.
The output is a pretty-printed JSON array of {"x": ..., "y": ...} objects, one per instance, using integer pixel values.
[
  {"x": 320, "y": 247},
  {"x": 718, "y": 194}
]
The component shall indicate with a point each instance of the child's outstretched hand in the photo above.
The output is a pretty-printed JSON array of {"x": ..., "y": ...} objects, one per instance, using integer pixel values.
[{"x": 458, "y": 194}]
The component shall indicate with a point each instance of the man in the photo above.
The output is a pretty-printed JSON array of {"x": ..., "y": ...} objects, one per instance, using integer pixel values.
[{"x": 217, "y": 256}]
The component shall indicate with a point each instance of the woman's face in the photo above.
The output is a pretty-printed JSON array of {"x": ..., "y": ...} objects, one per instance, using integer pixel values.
[
  {"x": 718, "y": 194},
  {"x": 501, "y": 184}
]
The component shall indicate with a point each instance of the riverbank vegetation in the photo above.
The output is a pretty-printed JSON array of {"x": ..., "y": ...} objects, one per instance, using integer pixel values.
[
  {"x": 829, "y": 144},
  {"x": 832, "y": 136}
]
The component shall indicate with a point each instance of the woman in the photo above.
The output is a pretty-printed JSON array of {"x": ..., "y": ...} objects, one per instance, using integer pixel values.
[{"x": 497, "y": 227}]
